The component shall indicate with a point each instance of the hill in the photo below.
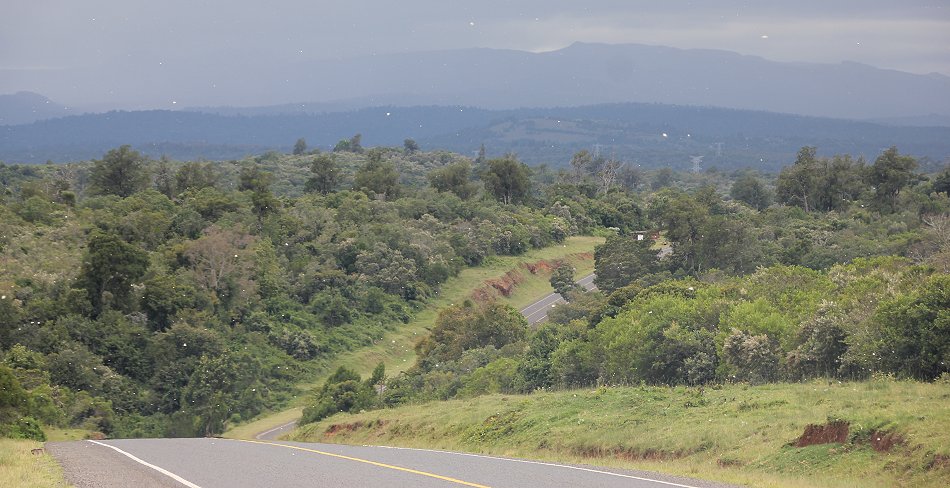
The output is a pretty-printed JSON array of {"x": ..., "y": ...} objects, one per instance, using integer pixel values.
[
  {"x": 725, "y": 138},
  {"x": 25, "y": 107}
]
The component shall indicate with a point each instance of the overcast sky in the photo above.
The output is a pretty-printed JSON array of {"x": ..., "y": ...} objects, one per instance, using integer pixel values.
[{"x": 43, "y": 41}]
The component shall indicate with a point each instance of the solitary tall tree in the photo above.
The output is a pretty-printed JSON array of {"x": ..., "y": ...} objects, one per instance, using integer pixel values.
[
  {"x": 326, "y": 174},
  {"x": 890, "y": 173},
  {"x": 300, "y": 146},
  {"x": 750, "y": 190},
  {"x": 507, "y": 179},
  {"x": 581, "y": 163},
  {"x": 120, "y": 172},
  {"x": 796, "y": 184}
]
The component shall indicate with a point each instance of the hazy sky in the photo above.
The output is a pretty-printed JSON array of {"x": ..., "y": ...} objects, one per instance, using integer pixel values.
[{"x": 43, "y": 43}]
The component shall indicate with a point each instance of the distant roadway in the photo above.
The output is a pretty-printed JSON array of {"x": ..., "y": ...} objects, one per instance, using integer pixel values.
[
  {"x": 227, "y": 463},
  {"x": 538, "y": 311},
  {"x": 535, "y": 313}
]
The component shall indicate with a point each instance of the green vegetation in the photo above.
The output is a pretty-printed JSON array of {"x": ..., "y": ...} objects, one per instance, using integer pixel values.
[
  {"x": 151, "y": 298},
  {"x": 732, "y": 433},
  {"x": 21, "y": 468},
  {"x": 396, "y": 350},
  {"x": 180, "y": 299}
]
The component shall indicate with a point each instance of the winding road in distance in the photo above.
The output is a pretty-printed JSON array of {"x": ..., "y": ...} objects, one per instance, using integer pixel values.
[
  {"x": 535, "y": 313},
  {"x": 230, "y": 463},
  {"x": 538, "y": 311}
]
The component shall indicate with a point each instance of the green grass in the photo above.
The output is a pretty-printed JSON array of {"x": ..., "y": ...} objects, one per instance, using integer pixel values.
[
  {"x": 22, "y": 469},
  {"x": 249, "y": 430},
  {"x": 396, "y": 349},
  {"x": 737, "y": 434},
  {"x": 54, "y": 434}
]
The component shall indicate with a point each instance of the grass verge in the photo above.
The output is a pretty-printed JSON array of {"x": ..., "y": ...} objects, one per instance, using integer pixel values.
[
  {"x": 396, "y": 349},
  {"x": 22, "y": 469},
  {"x": 736, "y": 434}
]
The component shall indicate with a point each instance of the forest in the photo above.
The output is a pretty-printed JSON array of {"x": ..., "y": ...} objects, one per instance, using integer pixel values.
[{"x": 143, "y": 297}]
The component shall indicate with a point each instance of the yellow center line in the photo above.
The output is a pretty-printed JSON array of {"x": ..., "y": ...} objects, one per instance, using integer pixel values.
[{"x": 367, "y": 461}]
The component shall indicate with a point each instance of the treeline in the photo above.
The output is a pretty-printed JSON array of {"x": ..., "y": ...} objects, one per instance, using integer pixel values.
[
  {"x": 147, "y": 297},
  {"x": 835, "y": 268}
]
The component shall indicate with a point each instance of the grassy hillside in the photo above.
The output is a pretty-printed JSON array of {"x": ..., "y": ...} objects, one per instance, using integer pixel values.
[
  {"x": 395, "y": 349},
  {"x": 891, "y": 433}
]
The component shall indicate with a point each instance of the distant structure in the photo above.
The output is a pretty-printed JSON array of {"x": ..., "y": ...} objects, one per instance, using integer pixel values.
[
  {"x": 697, "y": 163},
  {"x": 597, "y": 148},
  {"x": 718, "y": 146}
]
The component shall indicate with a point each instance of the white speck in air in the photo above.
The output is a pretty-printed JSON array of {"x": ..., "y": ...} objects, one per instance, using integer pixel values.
[
  {"x": 387, "y": 114},
  {"x": 665, "y": 134},
  {"x": 471, "y": 24},
  {"x": 765, "y": 37}
]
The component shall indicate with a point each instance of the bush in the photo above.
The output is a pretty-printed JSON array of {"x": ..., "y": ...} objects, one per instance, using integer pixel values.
[
  {"x": 343, "y": 392},
  {"x": 27, "y": 428}
]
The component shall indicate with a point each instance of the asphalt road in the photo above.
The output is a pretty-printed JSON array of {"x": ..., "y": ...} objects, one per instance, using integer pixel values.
[
  {"x": 538, "y": 311},
  {"x": 271, "y": 434},
  {"x": 212, "y": 463}
]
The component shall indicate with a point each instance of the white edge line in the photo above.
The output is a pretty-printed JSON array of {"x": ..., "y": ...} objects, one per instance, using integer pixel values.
[
  {"x": 538, "y": 302},
  {"x": 156, "y": 468},
  {"x": 579, "y": 282},
  {"x": 262, "y": 434},
  {"x": 670, "y": 483}
]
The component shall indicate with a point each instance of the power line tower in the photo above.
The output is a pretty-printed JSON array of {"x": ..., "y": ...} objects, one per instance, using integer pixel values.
[
  {"x": 597, "y": 148},
  {"x": 719, "y": 146},
  {"x": 697, "y": 163}
]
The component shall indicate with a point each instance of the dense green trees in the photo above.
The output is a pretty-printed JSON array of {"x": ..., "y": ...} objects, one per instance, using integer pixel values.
[
  {"x": 468, "y": 326},
  {"x": 121, "y": 172},
  {"x": 455, "y": 178},
  {"x": 157, "y": 312},
  {"x": 750, "y": 190},
  {"x": 622, "y": 260},
  {"x": 180, "y": 309},
  {"x": 378, "y": 176},
  {"x": 110, "y": 268},
  {"x": 344, "y": 391}
]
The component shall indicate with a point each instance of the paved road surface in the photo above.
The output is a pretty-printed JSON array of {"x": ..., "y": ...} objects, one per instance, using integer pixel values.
[
  {"x": 538, "y": 311},
  {"x": 269, "y": 435},
  {"x": 213, "y": 463}
]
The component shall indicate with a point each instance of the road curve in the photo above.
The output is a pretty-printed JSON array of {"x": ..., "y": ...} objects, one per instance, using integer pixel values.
[
  {"x": 213, "y": 463},
  {"x": 271, "y": 434},
  {"x": 538, "y": 311}
]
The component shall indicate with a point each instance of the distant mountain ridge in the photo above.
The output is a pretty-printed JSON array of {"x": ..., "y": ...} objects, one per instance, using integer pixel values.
[
  {"x": 646, "y": 134},
  {"x": 498, "y": 79},
  {"x": 25, "y": 107}
]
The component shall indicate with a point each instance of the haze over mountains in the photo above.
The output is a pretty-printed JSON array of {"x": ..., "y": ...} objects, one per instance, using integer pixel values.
[
  {"x": 498, "y": 82},
  {"x": 580, "y": 74}
]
